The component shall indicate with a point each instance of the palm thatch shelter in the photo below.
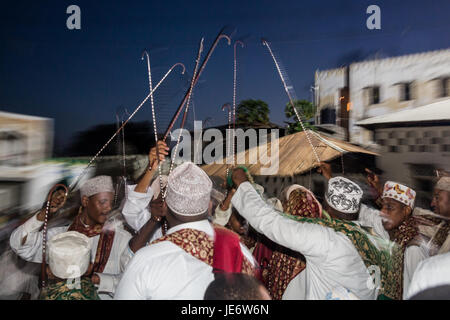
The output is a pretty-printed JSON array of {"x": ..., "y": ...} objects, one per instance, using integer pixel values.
[{"x": 296, "y": 161}]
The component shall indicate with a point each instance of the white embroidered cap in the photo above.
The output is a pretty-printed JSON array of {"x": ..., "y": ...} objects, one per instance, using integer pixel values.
[
  {"x": 188, "y": 190},
  {"x": 399, "y": 192},
  {"x": 96, "y": 185},
  {"x": 69, "y": 254},
  {"x": 443, "y": 184},
  {"x": 343, "y": 195}
]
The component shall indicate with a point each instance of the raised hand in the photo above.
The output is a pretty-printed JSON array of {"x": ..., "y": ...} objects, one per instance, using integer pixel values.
[
  {"x": 325, "y": 170},
  {"x": 374, "y": 181},
  {"x": 57, "y": 200},
  {"x": 158, "y": 207},
  {"x": 238, "y": 176},
  {"x": 163, "y": 151}
]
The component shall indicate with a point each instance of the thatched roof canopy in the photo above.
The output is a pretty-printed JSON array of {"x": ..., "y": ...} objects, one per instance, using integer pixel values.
[{"x": 295, "y": 154}]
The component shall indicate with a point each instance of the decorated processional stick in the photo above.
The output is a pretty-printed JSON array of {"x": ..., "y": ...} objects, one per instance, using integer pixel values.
[
  {"x": 45, "y": 228},
  {"x": 73, "y": 184},
  {"x": 186, "y": 97},
  {"x": 287, "y": 89},
  {"x": 155, "y": 130},
  {"x": 228, "y": 142},
  {"x": 234, "y": 96},
  {"x": 194, "y": 77}
]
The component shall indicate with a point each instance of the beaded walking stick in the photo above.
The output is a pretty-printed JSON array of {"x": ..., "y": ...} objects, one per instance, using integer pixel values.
[{"x": 45, "y": 227}]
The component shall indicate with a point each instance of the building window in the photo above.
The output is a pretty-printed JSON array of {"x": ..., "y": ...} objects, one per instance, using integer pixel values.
[
  {"x": 406, "y": 92},
  {"x": 444, "y": 87},
  {"x": 328, "y": 115},
  {"x": 436, "y": 140},
  {"x": 394, "y": 149},
  {"x": 430, "y": 148},
  {"x": 374, "y": 95},
  {"x": 392, "y": 135}
]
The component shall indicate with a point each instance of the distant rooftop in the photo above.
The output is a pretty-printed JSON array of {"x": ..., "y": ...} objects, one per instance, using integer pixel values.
[
  {"x": 21, "y": 116},
  {"x": 432, "y": 113}
]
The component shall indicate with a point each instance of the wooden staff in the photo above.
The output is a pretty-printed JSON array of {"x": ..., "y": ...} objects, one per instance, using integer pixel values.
[
  {"x": 194, "y": 76},
  {"x": 186, "y": 97}
]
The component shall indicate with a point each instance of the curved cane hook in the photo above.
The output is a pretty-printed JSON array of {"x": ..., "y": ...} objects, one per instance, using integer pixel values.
[
  {"x": 226, "y": 37},
  {"x": 226, "y": 105},
  {"x": 179, "y": 64},
  {"x": 240, "y": 42}
]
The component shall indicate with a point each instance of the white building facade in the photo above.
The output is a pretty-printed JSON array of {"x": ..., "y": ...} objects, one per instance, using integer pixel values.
[{"x": 372, "y": 88}]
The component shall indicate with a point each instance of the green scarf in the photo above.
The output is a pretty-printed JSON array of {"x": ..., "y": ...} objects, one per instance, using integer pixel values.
[
  {"x": 60, "y": 291},
  {"x": 389, "y": 259}
]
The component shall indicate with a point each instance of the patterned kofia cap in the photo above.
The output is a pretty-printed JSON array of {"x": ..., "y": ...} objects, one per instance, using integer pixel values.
[
  {"x": 343, "y": 195},
  {"x": 443, "y": 184},
  {"x": 188, "y": 190},
  {"x": 69, "y": 254},
  {"x": 96, "y": 185},
  {"x": 399, "y": 192}
]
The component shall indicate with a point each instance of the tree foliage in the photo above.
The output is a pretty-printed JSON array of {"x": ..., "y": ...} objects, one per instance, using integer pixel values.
[
  {"x": 252, "y": 111},
  {"x": 306, "y": 111}
]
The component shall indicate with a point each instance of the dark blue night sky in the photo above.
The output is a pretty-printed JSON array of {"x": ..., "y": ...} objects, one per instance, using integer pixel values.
[{"x": 82, "y": 77}]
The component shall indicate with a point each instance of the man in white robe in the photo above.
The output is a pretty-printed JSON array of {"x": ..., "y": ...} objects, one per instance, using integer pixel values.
[
  {"x": 398, "y": 203},
  {"x": 430, "y": 273},
  {"x": 97, "y": 195},
  {"x": 178, "y": 265},
  {"x": 331, "y": 258}
]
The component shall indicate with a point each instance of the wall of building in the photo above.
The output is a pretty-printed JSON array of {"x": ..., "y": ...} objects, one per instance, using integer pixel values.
[
  {"x": 33, "y": 140},
  {"x": 423, "y": 70},
  {"x": 411, "y": 154}
]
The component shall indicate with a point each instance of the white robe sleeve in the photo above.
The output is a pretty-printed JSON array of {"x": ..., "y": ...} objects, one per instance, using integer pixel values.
[
  {"x": 108, "y": 283},
  {"x": 31, "y": 249},
  {"x": 370, "y": 217},
  {"x": 132, "y": 285},
  {"x": 117, "y": 263},
  {"x": 431, "y": 272},
  {"x": 413, "y": 256},
  {"x": 135, "y": 209},
  {"x": 221, "y": 217},
  {"x": 312, "y": 240}
]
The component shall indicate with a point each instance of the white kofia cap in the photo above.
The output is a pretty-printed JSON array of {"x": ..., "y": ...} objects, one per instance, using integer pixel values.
[
  {"x": 343, "y": 195},
  {"x": 96, "y": 185},
  {"x": 188, "y": 190},
  {"x": 69, "y": 254}
]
